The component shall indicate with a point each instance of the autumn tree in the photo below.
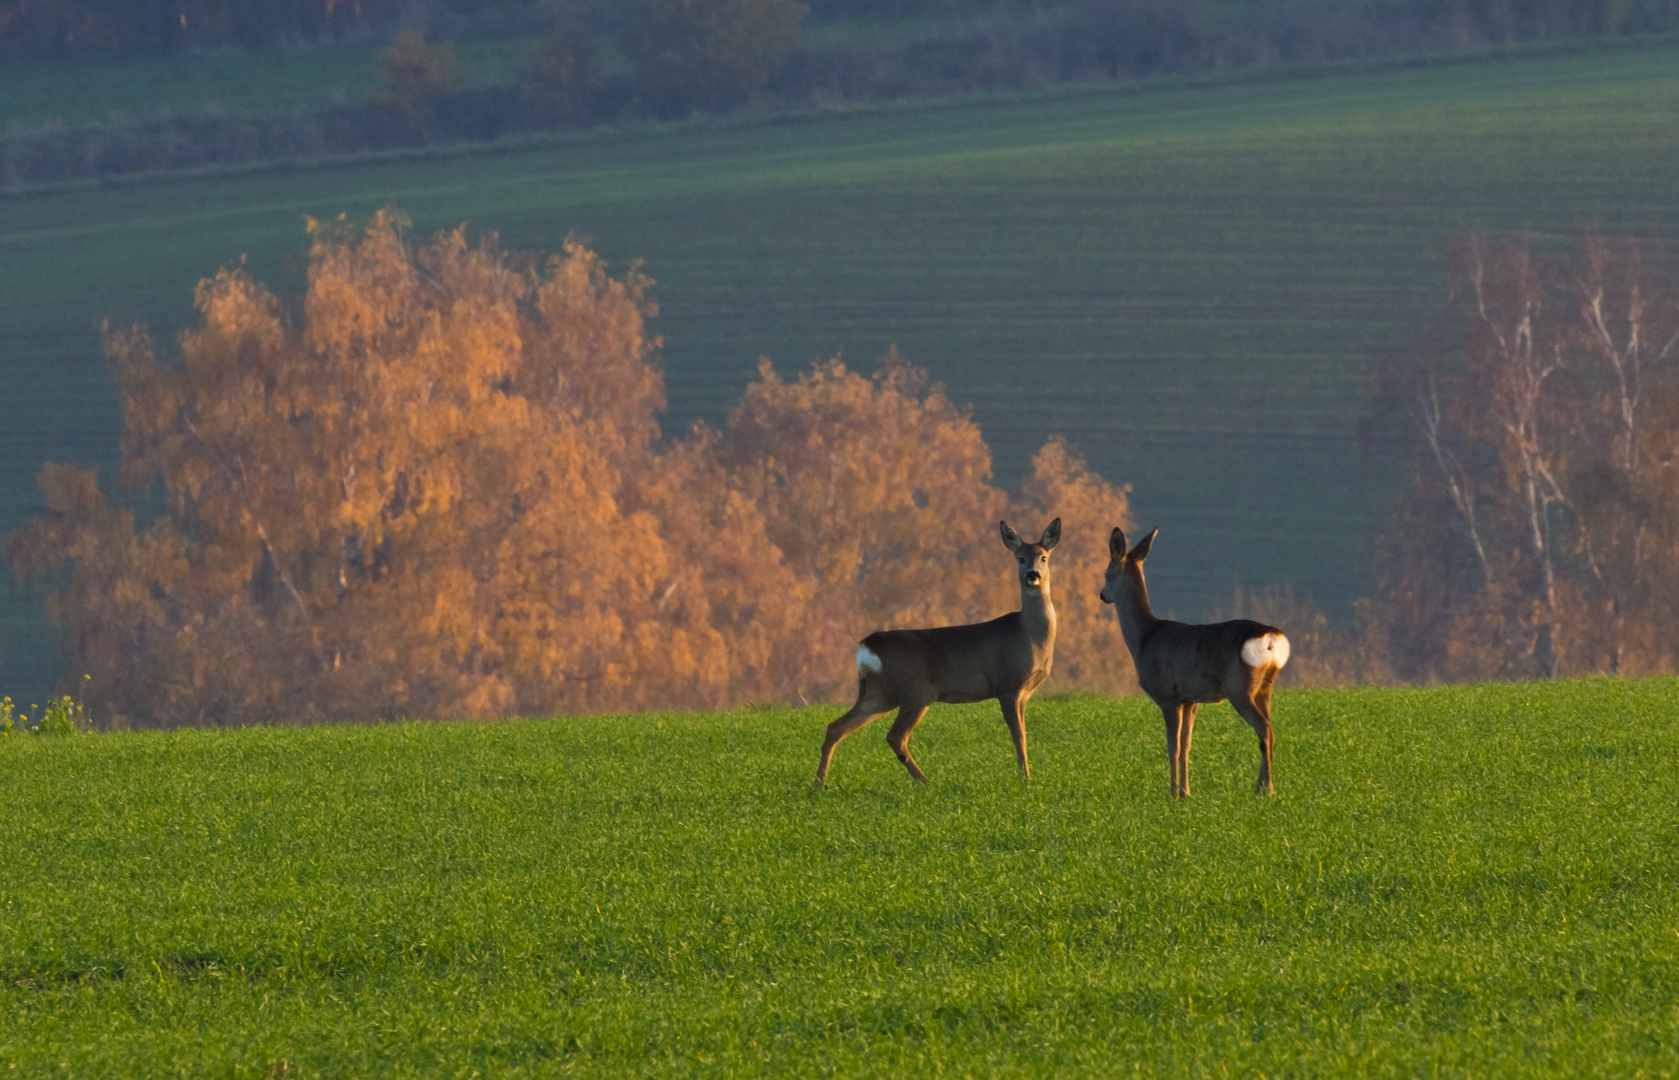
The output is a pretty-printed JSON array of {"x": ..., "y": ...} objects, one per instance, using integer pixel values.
[
  {"x": 1622, "y": 486},
  {"x": 438, "y": 487},
  {"x": 406, "y": 501},
  {"x": 740, "y": 616},
  {"x": 878, "y": 493},
  {"x": 1534, "y": 537}
]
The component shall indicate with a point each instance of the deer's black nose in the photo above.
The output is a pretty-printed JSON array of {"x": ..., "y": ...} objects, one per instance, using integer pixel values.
[{"x": 1033, "y": 577}]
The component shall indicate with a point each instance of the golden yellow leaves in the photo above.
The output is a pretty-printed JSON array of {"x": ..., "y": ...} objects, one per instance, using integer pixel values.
[{"x": 443, "y": 492}]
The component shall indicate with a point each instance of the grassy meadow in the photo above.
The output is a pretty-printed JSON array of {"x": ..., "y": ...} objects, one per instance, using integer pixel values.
[
  {"x": 1462, "y": 881},
  {"x": 1186, "y": 280}
]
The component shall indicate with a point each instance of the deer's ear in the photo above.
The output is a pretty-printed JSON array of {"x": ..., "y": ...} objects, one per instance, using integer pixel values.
[
  {"x": 1051, "y": 536},
  {"x": 1010, "y": 537},
  {"x": 1140, "y": 552},
  {"x": 1116, "y": 544}
]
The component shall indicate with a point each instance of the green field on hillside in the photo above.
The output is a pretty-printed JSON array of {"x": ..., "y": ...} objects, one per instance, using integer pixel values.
[
  {"x": 1187, "y": 281},
  {"x": 1461, "y": 881}
]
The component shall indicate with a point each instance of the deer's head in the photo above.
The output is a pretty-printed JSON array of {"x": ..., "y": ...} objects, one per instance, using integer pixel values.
[
  {"x": 1123, "y": 564},
  {"x": 1033, "y": 558}
]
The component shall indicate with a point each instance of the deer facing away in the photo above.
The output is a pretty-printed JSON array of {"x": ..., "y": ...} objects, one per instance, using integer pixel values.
[
  {"x": 1006, "y": 658},
  {"x": 1181, "y": 667}
]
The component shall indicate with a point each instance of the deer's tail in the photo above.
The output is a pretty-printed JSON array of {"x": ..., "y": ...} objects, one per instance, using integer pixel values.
[
  {"x": 1266, "y": 650},
  {"x": 871, "y": 684}
]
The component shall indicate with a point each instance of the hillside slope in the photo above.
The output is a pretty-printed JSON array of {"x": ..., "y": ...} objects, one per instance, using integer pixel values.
[{"x": 1187, "y": 282}]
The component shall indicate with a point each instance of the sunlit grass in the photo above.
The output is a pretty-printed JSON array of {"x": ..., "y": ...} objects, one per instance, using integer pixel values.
[{"x": 1467, "y": 880}]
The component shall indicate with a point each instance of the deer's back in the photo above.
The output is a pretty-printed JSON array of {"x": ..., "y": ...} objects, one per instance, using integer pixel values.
[
  {"x": 975, "y": 662},
  {"x": 1202, "y": 663}
]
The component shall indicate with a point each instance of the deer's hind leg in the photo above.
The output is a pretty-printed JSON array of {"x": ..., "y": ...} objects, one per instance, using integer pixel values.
[
  {"x": 1254, "y": 706},
  {"x": 872, "y": 700},
  {"x": 1186, "y": 735},
  {"x": 909, "y": 715}
]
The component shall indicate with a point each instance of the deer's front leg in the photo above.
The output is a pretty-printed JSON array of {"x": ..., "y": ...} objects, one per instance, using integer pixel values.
[
  {"x": 1014, "y": 715},
  {"x": 1170, "y": 712}
]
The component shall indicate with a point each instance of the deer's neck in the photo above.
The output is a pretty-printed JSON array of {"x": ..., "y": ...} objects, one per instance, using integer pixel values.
[
  {"x": 1037, "y": 615},
  {"x": 1135, "y": 615}
]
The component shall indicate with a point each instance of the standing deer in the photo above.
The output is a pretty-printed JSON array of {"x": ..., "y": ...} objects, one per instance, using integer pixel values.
[
  {"x": 1182, "y": 667},
  {"x": 1006, "y": 658}
]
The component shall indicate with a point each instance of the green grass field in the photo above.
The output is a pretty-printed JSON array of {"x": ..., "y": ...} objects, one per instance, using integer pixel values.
[
  {"x": 1186, "y": 281},
  {"x": 1461, "y": 881}
]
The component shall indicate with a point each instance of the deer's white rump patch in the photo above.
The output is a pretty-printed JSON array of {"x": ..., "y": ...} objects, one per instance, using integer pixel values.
[
  {"x": 868, "y": 661},
  {"x": 1265, "y": 649}
]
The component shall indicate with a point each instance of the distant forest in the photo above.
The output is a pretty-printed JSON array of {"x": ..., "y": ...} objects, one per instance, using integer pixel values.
[
  {"x": 592, "y": 62},
  {"x": 1141, "y": 34}
]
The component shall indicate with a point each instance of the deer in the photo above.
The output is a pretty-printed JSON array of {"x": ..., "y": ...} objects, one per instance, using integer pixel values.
[
  {"x": 1006, "y": 658},
  {"x": 1182, "y": 666}
]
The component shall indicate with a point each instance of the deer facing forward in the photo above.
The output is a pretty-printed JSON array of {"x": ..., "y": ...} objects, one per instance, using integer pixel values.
[
  {"x": 1182, "y": 667},
  {"x": 1006, "y": 658}
]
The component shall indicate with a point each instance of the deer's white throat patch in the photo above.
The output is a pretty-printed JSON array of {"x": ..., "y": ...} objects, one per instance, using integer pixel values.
[
  {"x": 1265, "y": 650},
  {"x": 867, "y": 660}
]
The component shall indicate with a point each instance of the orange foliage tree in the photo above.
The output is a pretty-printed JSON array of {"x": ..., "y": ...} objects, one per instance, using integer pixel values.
[
  {"x": 441, "y": 490},
  {"x": 408, "y": 503},
  {"x": 878, "y": 494}
]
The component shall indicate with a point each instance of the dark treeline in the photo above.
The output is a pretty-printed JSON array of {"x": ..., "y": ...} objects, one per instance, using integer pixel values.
[
  {"x": 1128, "y": 33},
  {"x": 219, "y": 139},
  {"x": 41, "y": 28},
  {"x": 591, "y": 61}
]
